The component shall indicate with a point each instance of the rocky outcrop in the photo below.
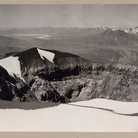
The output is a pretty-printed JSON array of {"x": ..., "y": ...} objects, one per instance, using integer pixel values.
[
  {"x": 44, "y": 91},
  {"x": 13, "y": 89},
  {"x": 34, "y": 71},
  {"x": 68, "y": 78},
  {"x": 117, "y": 82}
]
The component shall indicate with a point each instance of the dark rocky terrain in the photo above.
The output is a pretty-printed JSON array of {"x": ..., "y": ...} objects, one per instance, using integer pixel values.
[{"x": 68, "y": 78}]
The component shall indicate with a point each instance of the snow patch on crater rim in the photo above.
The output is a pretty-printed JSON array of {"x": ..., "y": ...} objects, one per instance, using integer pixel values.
[
  {"x": 12, "y": 66},
  {"x": 48, "y": 55}
]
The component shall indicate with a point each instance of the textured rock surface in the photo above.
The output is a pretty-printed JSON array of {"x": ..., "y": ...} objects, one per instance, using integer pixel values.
[
  {"x": 13, "y": 89},
  {"x": 44, "y": 91},
  {"x": 70, "y": 78},
  {"x": 117, "y": 82}
]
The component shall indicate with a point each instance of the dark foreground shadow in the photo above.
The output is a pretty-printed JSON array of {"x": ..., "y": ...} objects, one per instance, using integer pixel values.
[
  {"x": 108, "y": 110},
  {"x": 26, "y": 105}
]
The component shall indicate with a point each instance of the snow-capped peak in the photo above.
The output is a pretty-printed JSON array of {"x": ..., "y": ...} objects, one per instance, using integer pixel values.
[
  {"x": 12, "y": 65},
  {"x": 127, "y": 30},
  {"x": 131, "y": 30},
  {"x": 134, "y": 30},
  {"x": 46, "y": 54},
  {"x": 115, "y": 29}
]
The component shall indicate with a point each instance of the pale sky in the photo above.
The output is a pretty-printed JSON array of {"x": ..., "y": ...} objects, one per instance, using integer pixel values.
[{"x": 68, "y": 16}]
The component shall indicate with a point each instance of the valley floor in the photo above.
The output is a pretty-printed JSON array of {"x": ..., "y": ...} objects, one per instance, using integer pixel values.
[{"x": 97, "y": 115}]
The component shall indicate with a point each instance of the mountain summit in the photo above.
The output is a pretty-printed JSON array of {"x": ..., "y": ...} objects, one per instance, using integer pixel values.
[
  {"x": 35, "y": 59},
  {"x": 28, "y": 67}
]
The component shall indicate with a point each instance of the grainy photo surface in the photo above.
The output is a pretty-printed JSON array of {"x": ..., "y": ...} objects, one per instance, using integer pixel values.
[{"x": 69, "y": 68}]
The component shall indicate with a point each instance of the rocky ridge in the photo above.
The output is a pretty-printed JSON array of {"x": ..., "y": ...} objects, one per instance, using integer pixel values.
[{"x": 67, "y": 78}]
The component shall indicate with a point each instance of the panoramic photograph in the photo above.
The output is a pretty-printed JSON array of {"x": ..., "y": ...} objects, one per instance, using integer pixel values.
[{"x": 68, "y": 68}]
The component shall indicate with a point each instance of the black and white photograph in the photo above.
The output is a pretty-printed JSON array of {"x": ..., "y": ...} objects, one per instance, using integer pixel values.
[{"x": 68, "y": 68}]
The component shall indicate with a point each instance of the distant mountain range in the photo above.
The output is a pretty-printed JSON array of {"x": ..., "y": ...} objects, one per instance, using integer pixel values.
[
  {"x": 129, "y": 30},
  {"x": 9, "y": 44},
  {"x": 96, "y": 44},
  {"x": 109, "y": 38},
  {"x": 64, "y": 31}
]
